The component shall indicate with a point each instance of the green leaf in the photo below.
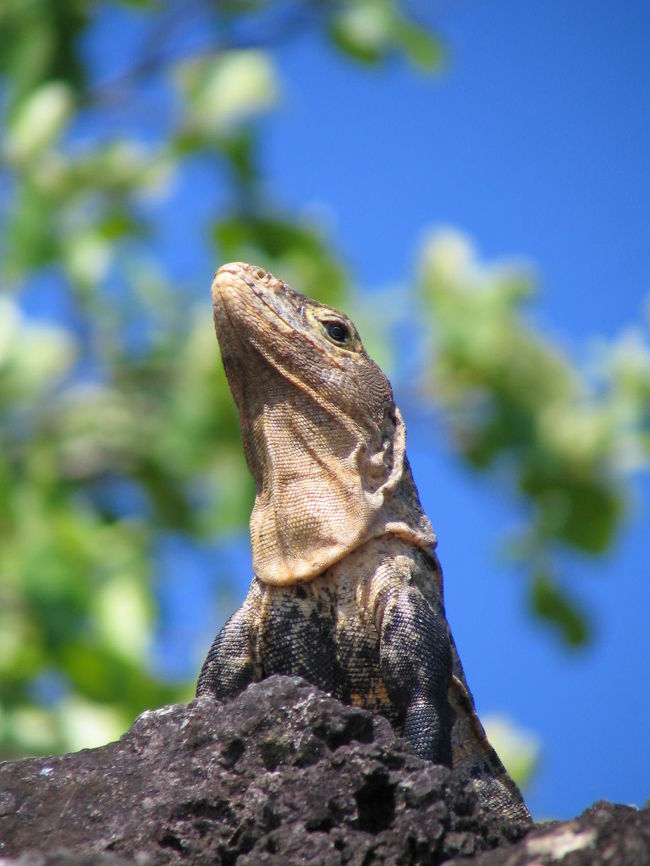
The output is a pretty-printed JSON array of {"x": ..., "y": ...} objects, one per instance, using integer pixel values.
[
  {"x": 553, "y": 605},
  {"x": 519, "y": 750},
  {"x": 31, "y": 232},
  {"x": 369, "y": 31},
  {"x": 296, "y": 250},
  {"x": 581, "y": 512},
  {"x": 39, "y": 42},
  {"x": 362, "y": 30},
  {"x": 423, "y": 49},
  {"x": 223, "y": 91},
  {"x": 38, "y": 122}
]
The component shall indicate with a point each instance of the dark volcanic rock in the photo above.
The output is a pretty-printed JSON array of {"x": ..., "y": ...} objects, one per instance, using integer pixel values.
[
  {"x": 67, "y": 858},
  {"x": 284, "y": 774},
  {"x": 606, "y": 834}
]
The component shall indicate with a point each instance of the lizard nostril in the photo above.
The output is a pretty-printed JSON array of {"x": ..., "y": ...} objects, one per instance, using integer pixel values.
[{"x": 259, "y": 273}]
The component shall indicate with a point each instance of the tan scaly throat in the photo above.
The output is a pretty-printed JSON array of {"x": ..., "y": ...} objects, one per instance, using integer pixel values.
[{"x": 325, "y": 491}]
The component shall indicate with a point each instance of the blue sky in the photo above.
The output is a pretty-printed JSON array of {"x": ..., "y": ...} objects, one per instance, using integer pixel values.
[{"x": 534, "y": 142}]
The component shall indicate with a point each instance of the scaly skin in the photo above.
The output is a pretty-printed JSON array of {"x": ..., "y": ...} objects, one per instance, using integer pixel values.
[{"x": 347, "y": 590}]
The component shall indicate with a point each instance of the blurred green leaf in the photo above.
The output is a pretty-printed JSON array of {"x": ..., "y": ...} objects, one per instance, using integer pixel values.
[
  {"x": 34, "y": 358},
  {"x": 221, "y": 92},
  {"x": 38, "y": 121},
  {"x": 551, "y": 604},
  {"x": 362, "y": 30},
  {"x": 39, "y": 42},
  {"x": 370, "y": 31},
  {"x": 562, "y": 441},
  {"x": 297, "y": 251},
  {"x": 423, "y": 49},
  {"x": 31, "y": 240},
  {"x": 519, "y": 750}
]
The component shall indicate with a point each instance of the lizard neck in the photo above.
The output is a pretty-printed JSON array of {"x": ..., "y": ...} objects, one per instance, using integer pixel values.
[{"x": 325, "y": 492}]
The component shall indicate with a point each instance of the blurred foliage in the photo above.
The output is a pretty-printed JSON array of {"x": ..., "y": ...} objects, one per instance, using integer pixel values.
[
  {"x": 116, "y": 424},
  {"x": 563, "y": 442}
]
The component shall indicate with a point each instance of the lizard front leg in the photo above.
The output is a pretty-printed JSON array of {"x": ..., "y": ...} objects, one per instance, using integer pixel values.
[
  {"x": 230, "y": 664},
  {"x": 416, "y": 665}
]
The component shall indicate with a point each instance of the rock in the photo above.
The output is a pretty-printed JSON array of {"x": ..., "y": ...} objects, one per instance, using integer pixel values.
[
  {"x": 283, "y": 774},
  {"x": 606, "y": 834},
  {"x": 66, "y": 858}
]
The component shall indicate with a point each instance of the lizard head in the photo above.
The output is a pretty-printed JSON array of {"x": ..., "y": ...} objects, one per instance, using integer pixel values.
[
  {"x": 321, "y": 433},
  {"x": 312, "y": 345}
]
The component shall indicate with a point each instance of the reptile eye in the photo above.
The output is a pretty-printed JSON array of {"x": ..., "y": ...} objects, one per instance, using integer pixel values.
[{"x": 337, "y": 331}]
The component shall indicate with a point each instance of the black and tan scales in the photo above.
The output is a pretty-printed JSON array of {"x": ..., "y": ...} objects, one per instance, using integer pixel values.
[{"x": 347, "y": 591}]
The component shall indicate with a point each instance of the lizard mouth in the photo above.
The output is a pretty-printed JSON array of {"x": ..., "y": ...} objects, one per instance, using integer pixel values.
[
  {"x": 244, "y": 294},
  {"x": 262, "y": 284}
]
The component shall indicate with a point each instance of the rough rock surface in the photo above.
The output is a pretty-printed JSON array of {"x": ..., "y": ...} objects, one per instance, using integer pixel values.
[
  {"x": 284, "y": 774},
  {"x": 606, "y": 834}
]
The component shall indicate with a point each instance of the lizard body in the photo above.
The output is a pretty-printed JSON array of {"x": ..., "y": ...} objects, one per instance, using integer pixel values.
[{"x": 347, "y": 590}]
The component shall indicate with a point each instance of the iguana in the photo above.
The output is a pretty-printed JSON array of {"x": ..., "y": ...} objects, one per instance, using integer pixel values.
[{"x": 347, "y": 591}]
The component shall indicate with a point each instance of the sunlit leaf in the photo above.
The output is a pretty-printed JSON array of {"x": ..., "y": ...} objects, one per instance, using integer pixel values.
[
  {"x": 85, "y": 725},
  {"x": 124, "y": 612},
  {"x": 362, "y": 30},
  {"x": 519, "y": 750},
  {"x": 225, "y": 90},
  {"x": 38, "y": 121},
  {"x": 87, "y": 256},
  {"x": 33, "y": 356}
]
